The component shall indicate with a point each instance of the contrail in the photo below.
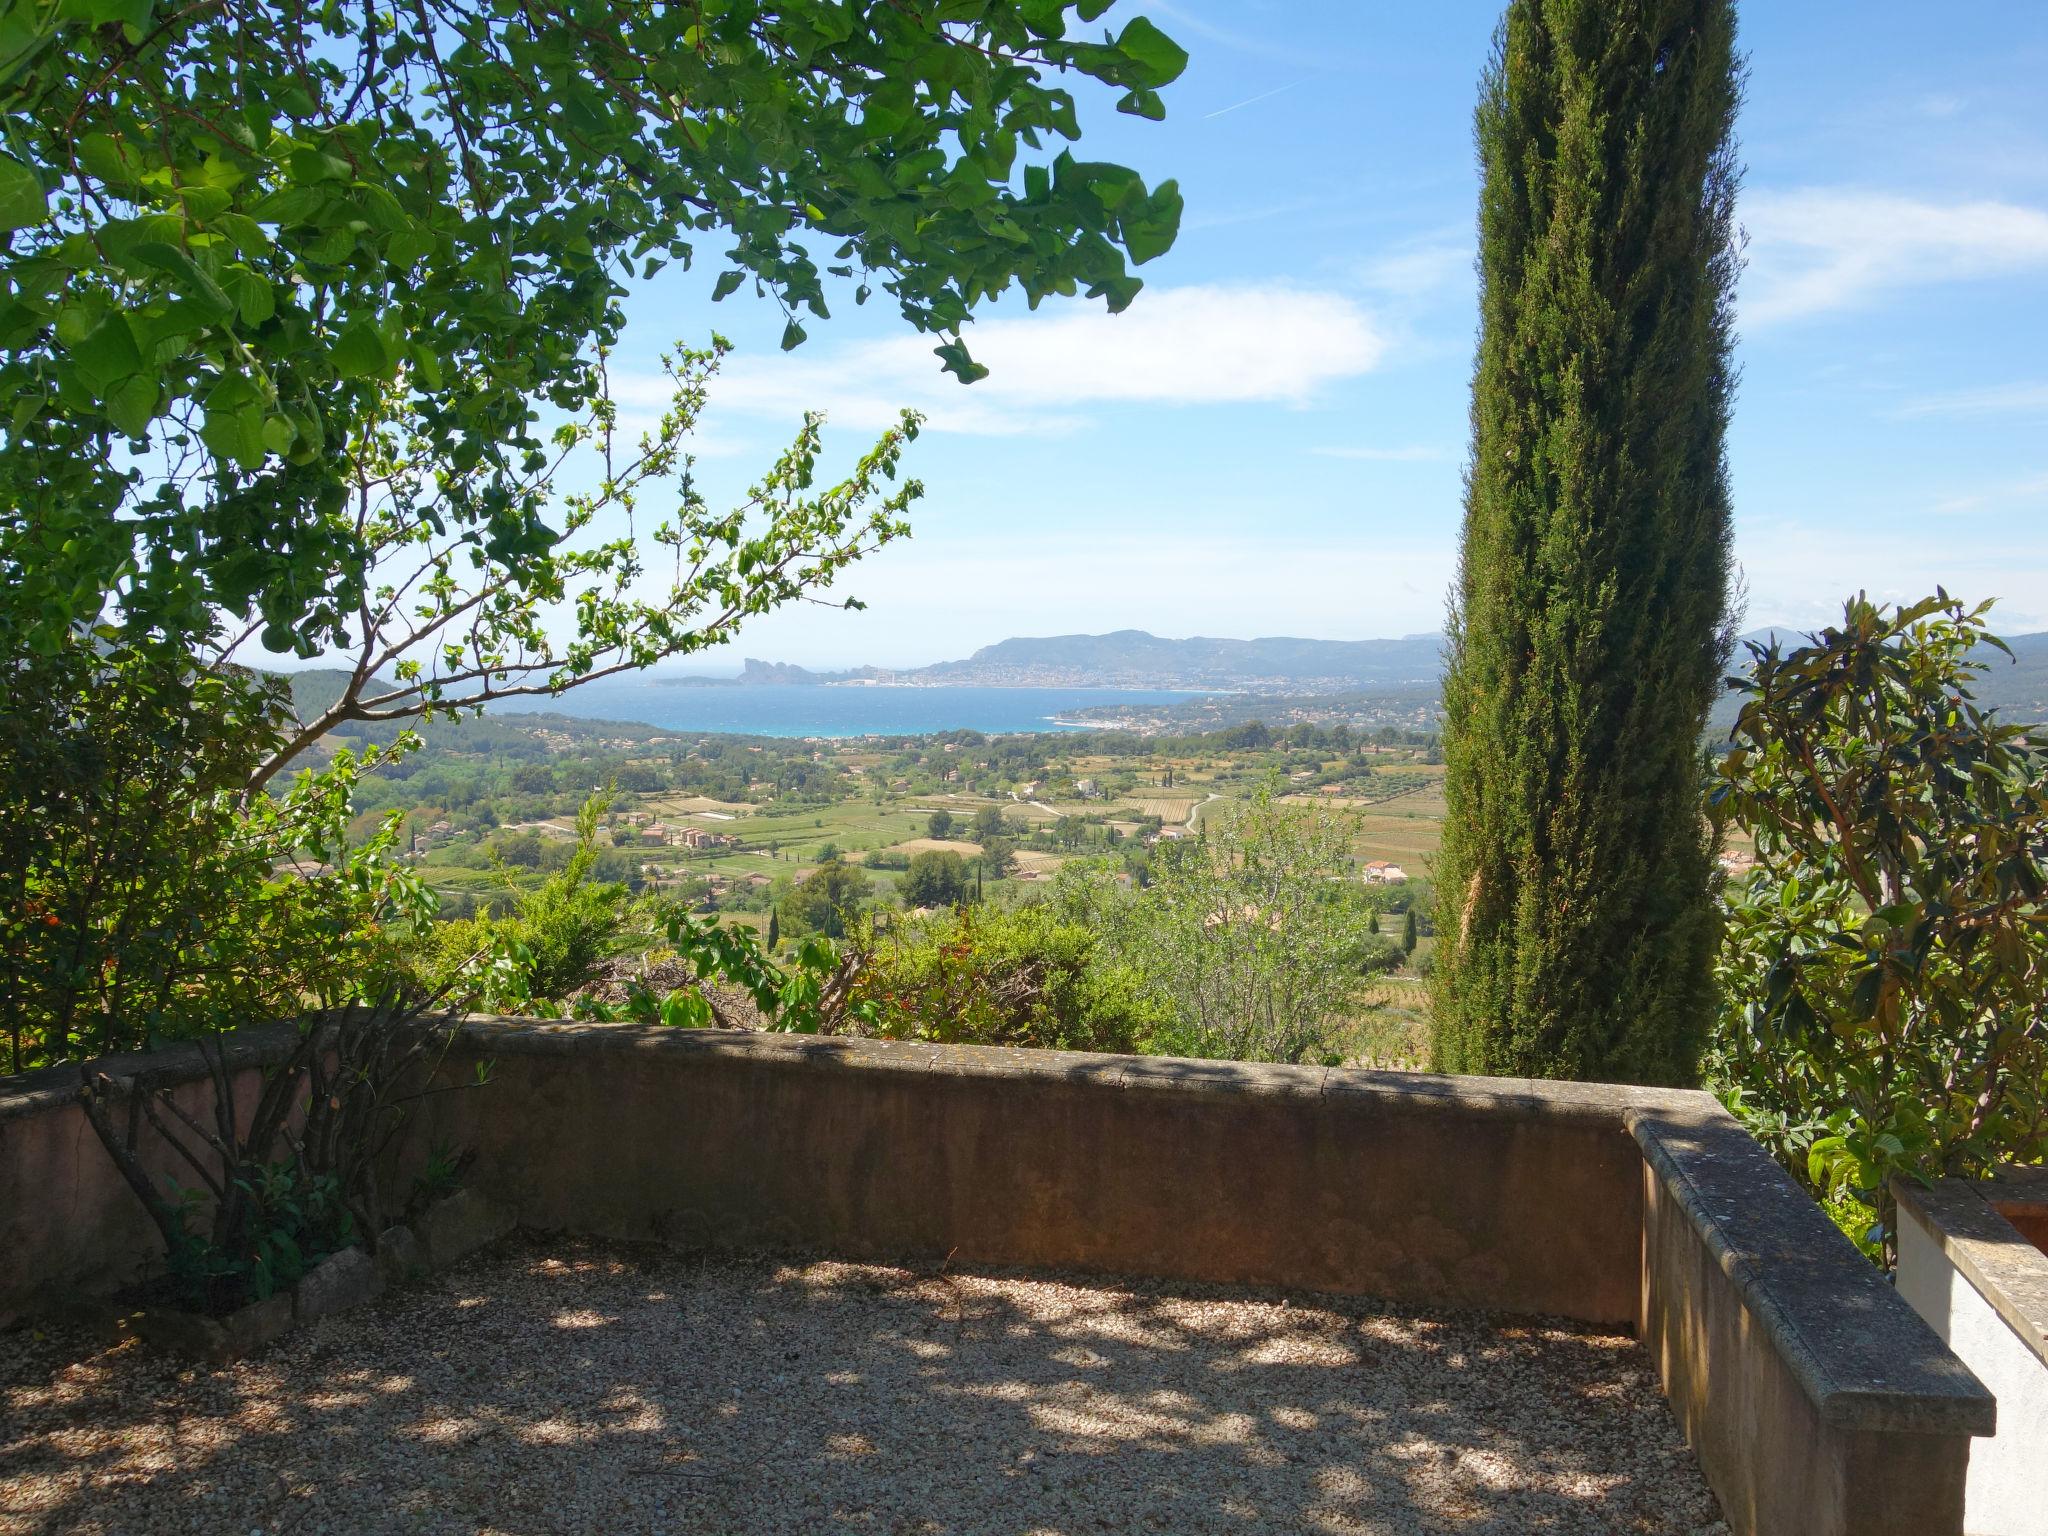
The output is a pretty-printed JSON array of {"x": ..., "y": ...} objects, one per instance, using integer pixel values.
[{"x": 1249, "y": 100}]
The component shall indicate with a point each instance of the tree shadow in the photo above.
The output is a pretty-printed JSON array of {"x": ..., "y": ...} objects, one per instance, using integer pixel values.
[{"x": 552, "y": 1385}]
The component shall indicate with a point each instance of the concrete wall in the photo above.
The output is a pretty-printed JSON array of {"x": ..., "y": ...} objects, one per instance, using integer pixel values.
[
  {"x": 1815, "y": 1399},
  {"x": 1983, "y": 1287},
  {"x": 1476, "y": 1192},
  {"x": 68, "y": 1221},
  {"x": 1818, "y": 1402}
]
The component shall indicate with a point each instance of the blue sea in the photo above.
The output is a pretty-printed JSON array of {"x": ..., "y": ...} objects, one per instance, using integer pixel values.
[{"x": 809, "y": 709}]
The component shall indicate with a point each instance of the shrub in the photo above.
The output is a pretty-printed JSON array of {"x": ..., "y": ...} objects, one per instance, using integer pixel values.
[
  {"x": 158, "y": 898},
  {"x": 1255, "y": 934},
  {"x": 1882, "y": 968},
  {"x": 551, "y": 941},
  {"x": 1022, "y": 977}
]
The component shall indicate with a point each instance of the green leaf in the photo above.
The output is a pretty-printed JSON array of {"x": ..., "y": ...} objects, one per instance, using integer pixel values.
[
  {"x": 22, "y": 202},
  {"x": 953, "y": 354},
  {"x": 1142, "y": 103},
  {"x": 359, "y": 352},
  {"x": 131, "y": 405},
  {"x": 254, "y": 299},
  {"x": 792, "y": 336},
  {"x": 1158, "y": 55},
  {"x": 728, "y": 283}
]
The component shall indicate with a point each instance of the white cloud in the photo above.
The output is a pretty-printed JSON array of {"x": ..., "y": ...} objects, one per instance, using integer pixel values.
[
  {"x": 1819, "y": 249},
  {"x": 1993, "y": 497},
  {"x": 1418, "y": 269},
  {"x": 1175, "y": 346},
  {"x": 1996, "y": 400},
  {"x": 1415, "y": 453}
]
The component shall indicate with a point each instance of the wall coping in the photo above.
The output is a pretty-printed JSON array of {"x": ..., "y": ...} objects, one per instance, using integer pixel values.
[
  {"x": 1863, "y": 1356},
  {"x": 1993, "y": 1255}
]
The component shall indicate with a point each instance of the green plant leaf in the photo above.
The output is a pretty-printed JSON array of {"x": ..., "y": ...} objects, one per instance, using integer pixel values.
[{"x": 22, "y": 202}]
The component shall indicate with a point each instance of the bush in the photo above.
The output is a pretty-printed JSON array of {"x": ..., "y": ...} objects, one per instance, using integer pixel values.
[
  {"x": 1882, "y": 968},
  {"x": 552, "y": 941},
  {"x": 1256, "y": 933},
  {"x": 158, "y": 898},
  {"x": 1023, "y": 977}
]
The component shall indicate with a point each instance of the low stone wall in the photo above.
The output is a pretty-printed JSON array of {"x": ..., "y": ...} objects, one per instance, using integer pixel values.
[
  {"x": 1973, "y": 1261},
  {"x": 1818, "y": 1402},
  {"x": 68, "y": 1221}
]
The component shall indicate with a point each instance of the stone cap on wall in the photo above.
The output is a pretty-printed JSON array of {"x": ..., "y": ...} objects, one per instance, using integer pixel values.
[
  {"x": 2007, "y": 1270},
  {"x": 1863, "y": 1356}
]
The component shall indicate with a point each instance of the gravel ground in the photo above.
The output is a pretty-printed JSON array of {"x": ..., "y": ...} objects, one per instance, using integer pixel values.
[{"x": 551, "y": 1387}]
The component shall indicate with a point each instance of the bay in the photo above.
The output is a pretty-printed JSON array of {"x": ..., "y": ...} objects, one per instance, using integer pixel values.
[{"x": 813, "y": 709}]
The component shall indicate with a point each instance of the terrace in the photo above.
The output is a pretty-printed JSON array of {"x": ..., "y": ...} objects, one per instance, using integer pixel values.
[{"x": 770, "y": 1283}]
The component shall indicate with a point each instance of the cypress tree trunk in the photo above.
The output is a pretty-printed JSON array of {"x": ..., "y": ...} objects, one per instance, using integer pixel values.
[{"x": 1590, "y": 627}]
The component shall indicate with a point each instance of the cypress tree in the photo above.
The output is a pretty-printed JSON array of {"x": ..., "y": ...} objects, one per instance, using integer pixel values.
[
  {"x": 774, "y": 929},
  {"x": 1589, "y": 626},
  {"x": 1409, "y": 932}
]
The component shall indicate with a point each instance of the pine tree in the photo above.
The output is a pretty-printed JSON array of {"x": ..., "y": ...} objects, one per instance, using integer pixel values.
[{"x": 1589, "y": 626}]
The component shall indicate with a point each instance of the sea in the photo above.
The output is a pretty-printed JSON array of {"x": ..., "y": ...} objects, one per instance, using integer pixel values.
[{"x": 815, "y": 709}]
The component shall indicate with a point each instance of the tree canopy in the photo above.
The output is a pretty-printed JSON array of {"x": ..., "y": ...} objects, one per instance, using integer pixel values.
[{"x": 235, "y": 228}]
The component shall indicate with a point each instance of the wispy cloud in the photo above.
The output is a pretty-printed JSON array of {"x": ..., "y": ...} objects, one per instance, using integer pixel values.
[
  {"x": 2003, "y": 495},
  {"x": 1421, "y": 267},
  {"x": 1189, "y": 346},
  {"x": 1821, "y": 249},
  {"x": 1417, "y": 453},
  {"x": 2026, "y": 399}
]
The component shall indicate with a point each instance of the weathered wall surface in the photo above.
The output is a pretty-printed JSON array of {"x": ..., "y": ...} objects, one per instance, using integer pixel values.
[
  {"x": 1815, "y": 1399},
  {"x": 1479, "y": 1192},
  {"x": 68, "y": 1221}
]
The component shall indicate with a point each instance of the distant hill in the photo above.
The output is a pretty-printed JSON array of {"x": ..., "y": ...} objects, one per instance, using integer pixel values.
[
  {"x": 1132, "y": 658},
  {"x": 1374, "y": 679}
]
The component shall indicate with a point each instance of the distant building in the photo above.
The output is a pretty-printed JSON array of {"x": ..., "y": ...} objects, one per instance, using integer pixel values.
[{"x": 1382, "y": 872}]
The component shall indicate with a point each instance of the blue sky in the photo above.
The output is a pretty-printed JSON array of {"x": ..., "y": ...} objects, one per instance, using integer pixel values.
[{"x": 1270, "y": 440}]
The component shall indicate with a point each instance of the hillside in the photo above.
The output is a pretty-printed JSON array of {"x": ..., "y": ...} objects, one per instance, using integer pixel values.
[{"x": 1132, "y": 658}]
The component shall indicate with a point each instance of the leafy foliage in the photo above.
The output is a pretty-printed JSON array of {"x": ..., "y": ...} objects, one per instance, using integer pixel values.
[
  {"x": 157, "y": 899},
  {"x": 1588, "y": 629},
  {"x": 936, "y": 878},
  {"x": 807, "y": 993},
  {"x": 237, "y": 230},
  {"x": 552, "y": 941},
  {"x": 1256, "y": 934},
  {"x": 1883, "y": 967},
  {"x": 827, "y": 902},
  {"x": 1021, "y": 977},
  {"x": 455, "y": 622}
]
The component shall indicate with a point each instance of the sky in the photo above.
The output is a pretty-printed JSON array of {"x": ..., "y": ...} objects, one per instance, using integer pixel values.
[{"x": 1271, "y": 439}]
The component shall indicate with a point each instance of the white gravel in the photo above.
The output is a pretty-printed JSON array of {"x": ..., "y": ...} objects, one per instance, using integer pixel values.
[{"x": 550, "y": 1387}]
